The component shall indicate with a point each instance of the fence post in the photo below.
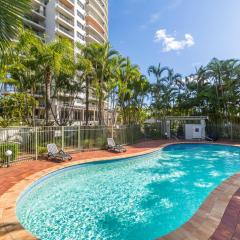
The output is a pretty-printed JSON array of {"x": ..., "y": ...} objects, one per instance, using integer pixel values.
[
  {"x": 121, "y": 135},
  {"x": 125, "y": 134},
  {"x": 79, "y": 137},
  {"x": 103, "y": 138},
  {"x": 36, "y": 143},
  {"x": 112, "y": 130},
  {"x": 63, "y": 138},
  {"x": 132, "y": 133}
]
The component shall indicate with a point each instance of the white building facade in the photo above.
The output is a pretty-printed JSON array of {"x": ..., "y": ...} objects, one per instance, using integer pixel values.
[{"x": 81, "y": 21}]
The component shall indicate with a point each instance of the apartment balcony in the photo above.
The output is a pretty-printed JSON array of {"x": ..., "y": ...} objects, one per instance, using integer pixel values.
[
  {"x": 94, "y": 28},
  {"x": 38, "y": 14},
  {"x": 65, "y": 21},
  {"x": 100, "y": 26},
  {"x": 68, "y": 3},
  {"x": 90, "y": 39},
  {"x": 64, "y": 32},
  {"x": 39, "y": 2},
  {"x": 62, "y": 8},
  {"x": 100, "y": 5},
  {"x": 34, "y": 24},
  {"x": 98, "y": 16}
]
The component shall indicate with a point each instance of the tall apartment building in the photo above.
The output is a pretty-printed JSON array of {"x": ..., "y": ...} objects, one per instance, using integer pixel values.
[{"x": 81, "y": 21}]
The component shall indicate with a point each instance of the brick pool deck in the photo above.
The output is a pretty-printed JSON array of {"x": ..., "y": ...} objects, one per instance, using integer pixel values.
[{"x": 217, "y": 219}]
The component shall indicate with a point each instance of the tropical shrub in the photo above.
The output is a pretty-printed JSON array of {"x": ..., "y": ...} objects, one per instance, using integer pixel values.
[
  {"x": 153, "y": 131},
  {"x": 16, "y": 108},
  {"x": 42, "y": 150},
  {"x": 88, "y": 143}
]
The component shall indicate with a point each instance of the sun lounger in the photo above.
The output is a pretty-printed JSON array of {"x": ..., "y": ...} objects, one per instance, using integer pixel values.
[
  {"x": 54, "y": 153},
  {"x": 112, "y": 146}
]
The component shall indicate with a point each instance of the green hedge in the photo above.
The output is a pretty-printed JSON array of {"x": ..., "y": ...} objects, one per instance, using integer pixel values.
[
  {"x": 154, "y": 131},
  {"x": 14, "y": 147}
]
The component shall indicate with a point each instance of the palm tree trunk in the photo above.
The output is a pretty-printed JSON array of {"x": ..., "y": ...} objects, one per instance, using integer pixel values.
[
  {"x": 100, "y": 120},
  {"x": 47, "y": 95},
  {"x": 114, "y": 112},
  {"x": 33, "y": 107},
  {"x": 100, "y": 102},
  {"x": 87, "y": 101}
]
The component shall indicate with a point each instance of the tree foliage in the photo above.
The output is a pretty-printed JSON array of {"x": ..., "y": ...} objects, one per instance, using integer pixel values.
[
  {"x": 112, "y": 83},
  {"x": 16, "y": 108},
  {"x": 213, "y": 90},
  {"x": 51, "y": 72},
  {"x": 35, "y": 64},
  {"x": 11, "y": 12}
]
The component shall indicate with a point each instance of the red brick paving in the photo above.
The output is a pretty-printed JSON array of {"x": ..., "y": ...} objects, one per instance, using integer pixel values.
[{"x": 229, "y": 227}]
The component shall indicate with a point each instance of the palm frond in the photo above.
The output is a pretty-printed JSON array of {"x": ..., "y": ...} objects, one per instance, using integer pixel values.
[{"x": 11, "y": 12}]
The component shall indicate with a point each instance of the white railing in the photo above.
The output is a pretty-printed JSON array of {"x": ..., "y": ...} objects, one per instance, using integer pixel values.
[
  {"x": 71, "y": 34},
  {"x": 69, "y": 21}
]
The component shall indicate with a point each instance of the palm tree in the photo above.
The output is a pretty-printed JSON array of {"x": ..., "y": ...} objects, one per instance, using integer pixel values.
[
  {"x": 102, "y": 59},
  {"x": 222, "y": 73},
  {"x": 172, "y": 86},
  {"x": 213, "y": 91},
  {"x": 126, "y": 75},
  {"x": 157, "y": 88},
  {"x": 157, "y": 72},
  {"x": 85, "y": 75},
  {"x": 35, "y": 63},
  {"x": 11, "y": 12},
  {"x": 114, "y": 86},
  {"x": 20, "y": 67},
  {"x": 214, "y": 69},
  {"x": 53, "y": 59},
  {"x": 140, "y": 89},
  {"x": 46, "y": 63}
]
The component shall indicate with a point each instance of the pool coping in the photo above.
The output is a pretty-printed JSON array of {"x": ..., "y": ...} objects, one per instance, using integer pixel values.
[{"x": 201, "y": 226}]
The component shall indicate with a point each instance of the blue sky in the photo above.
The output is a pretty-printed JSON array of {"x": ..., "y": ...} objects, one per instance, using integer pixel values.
[{"x": 178, "y": 33}]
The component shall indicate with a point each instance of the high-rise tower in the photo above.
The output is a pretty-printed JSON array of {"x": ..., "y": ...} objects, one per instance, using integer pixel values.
[
  {"x": 82, "y": 21},
  {"x": 78, "y": 20}
]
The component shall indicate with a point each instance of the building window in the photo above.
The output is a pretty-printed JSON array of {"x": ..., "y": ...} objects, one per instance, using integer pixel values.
[
  {"x": 80, "y": 25},
  {"x": 78, "y": 115},
  {"x": 80, "y": 36},
  {"x": 80, "y": 4},
  {"x": 80, "y": 15}
]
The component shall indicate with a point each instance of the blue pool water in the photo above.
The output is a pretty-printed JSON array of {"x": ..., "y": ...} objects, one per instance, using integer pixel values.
[{"x": 137, "y": 198}]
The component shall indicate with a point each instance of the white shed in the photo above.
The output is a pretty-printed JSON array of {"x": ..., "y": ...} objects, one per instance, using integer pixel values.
[{"x": 194, "y": 126}]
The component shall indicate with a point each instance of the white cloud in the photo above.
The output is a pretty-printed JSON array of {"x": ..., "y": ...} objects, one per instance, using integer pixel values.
[{"x": 170, "y": 43}]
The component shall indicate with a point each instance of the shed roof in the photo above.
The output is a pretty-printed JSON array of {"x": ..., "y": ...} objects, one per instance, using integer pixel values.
[{"x": 186, "y": 118}]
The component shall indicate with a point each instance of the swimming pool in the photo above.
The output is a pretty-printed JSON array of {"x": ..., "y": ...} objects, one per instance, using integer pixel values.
[{"x": 142, "y": 197}]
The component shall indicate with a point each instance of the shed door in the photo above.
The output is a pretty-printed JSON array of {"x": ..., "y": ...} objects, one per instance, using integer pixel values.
[{"x": 197, "y": 131}]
